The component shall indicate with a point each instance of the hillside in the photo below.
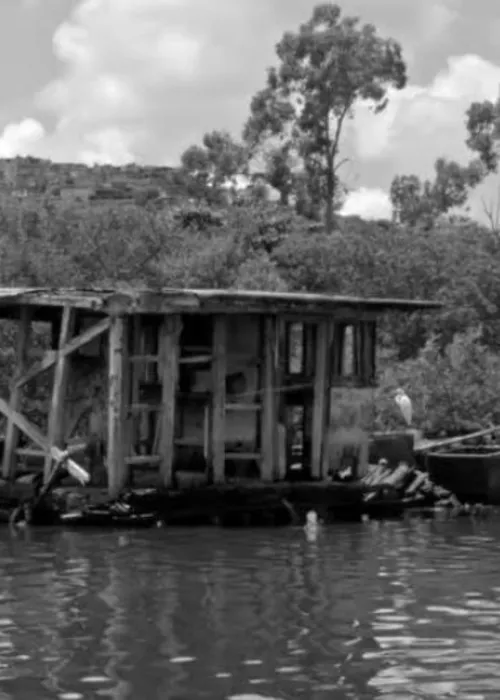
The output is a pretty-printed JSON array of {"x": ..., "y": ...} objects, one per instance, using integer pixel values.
[{"x": 23, "y": 177}]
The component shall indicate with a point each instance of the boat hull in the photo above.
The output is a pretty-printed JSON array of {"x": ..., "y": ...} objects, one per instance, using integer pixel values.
[{"x": 472, "y": 475}]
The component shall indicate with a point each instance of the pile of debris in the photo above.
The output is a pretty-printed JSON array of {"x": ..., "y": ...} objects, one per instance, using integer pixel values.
[{"x": 404, "y": 487}]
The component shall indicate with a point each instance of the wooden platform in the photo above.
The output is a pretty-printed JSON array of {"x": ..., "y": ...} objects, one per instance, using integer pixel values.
[{"x": 227, "y": 504}]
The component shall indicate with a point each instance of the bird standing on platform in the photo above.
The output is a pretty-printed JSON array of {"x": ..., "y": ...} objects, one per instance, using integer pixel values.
[{"x": 405, "y": 406}]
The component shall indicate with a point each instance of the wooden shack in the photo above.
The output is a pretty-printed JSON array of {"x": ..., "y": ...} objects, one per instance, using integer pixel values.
[{"x": 223, "y": 385}]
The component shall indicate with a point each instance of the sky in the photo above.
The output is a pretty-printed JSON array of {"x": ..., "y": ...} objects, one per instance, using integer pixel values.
[{"x": 140, "y": 80}]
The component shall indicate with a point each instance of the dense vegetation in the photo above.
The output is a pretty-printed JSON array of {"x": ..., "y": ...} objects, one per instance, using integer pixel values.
[
  {"x": 215, "y": 236},
  {"x": 452, "y": 378}
]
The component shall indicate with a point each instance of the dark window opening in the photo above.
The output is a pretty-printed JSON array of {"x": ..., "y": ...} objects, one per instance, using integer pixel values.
[{"x": 196, "y": 335}]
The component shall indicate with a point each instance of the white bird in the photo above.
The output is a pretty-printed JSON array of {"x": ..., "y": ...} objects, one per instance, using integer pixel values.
[{"x": 405, "y": 406}]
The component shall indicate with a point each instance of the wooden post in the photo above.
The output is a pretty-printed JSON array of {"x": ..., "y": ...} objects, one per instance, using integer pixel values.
[
  {"x": 56, "y": 426},
  {"x": 218, "y": 447},
  {"x": 12, "y": 432},
  {"x": 330, "y": 369},
  {"x": 369, "y": 330},
  {"x": 321, "y": 382},
  {"x": 117, "y": 469},
  {"x": 128, "y": 437},
  {"x": 169, "y": 368},
  {"x": 269, "y": 412},
  {"x": 279, "y": 381}
]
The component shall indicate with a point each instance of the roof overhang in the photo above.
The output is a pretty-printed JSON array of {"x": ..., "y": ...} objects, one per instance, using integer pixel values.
[{"x": 147, "y": 301}]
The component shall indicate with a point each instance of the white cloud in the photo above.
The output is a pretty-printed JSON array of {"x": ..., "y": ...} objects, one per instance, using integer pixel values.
[
  {"x": 20, "y": 138},
  {"x": 119, "y": 56},
  {"x": 422, "y": 123},
  {"x": 436, "y": 20},
  {"x": 107, "y": 146},
  {"x": 367, "y": 203},
  {"x": 155, "y": 73},
  {"x": 439, "y": 19}
]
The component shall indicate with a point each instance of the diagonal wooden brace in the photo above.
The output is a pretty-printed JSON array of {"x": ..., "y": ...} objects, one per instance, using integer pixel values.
[
  {"x": 74, "y": 344},
  {"x": 33, "y": 432}
]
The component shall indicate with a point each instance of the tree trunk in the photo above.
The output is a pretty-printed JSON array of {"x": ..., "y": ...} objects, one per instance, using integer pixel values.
[{"x": 330, "y": 192}]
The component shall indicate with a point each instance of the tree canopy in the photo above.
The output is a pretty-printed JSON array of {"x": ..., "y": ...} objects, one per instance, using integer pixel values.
[
  {"x": 416, "y": 202},
  {"x": 324, "y": 69},
  {"x": 210, "y": 168}
]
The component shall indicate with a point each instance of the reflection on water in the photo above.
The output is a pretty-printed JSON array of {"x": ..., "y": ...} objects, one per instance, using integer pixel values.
[{"x": 375, "y": 610}]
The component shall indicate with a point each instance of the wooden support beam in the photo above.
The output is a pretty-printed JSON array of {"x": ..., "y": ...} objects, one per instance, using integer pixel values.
[
  {"x": 219, "y": 371},
  {"x": 280, "y": 398},
  {"x": 56, "y": 428},
  {"x": 74, "y": 344},
  {"x": 116, "y": 466},
  {"x": 369, "y": 330},
  {"x": 12, "y": 431},
  {"x": 246, "y": 407},
  {"x": 270, "y": 398},
  {"x": 196, "y": 360},
  {"x": 57, "y": 299},
  {"x": 170, "y": 332},
  {"x": 144, "y": 358},
  {"x": 320, "y": 401},
  {"x": 29, "y": 429},
  {"x": 141, "y": 460},
  {"x": 243, "y": 455},
  {"x": 33, "y": 432},
  {"x": 128, "y": 417},
  {"x": 136, "y": 372},
  {"x": 330, "y": 370}
]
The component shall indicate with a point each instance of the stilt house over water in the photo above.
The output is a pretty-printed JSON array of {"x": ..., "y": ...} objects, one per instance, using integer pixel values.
[{"x": 227, "y": 385}]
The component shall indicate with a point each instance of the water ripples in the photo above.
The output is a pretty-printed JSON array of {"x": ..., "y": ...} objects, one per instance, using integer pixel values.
[{"x": 378, "y": 610}]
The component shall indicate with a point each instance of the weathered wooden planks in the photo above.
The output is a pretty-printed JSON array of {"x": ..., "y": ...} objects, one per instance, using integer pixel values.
[
  {"x": 116, "y": 466},
  {"x": 169, "y": 367}
]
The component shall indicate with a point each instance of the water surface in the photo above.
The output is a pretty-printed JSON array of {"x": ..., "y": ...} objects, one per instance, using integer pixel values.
[{"x": 375, "y": 610}]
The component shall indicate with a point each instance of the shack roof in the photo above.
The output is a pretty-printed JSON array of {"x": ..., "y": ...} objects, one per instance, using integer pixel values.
[{"x": 154, "y": 301}]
